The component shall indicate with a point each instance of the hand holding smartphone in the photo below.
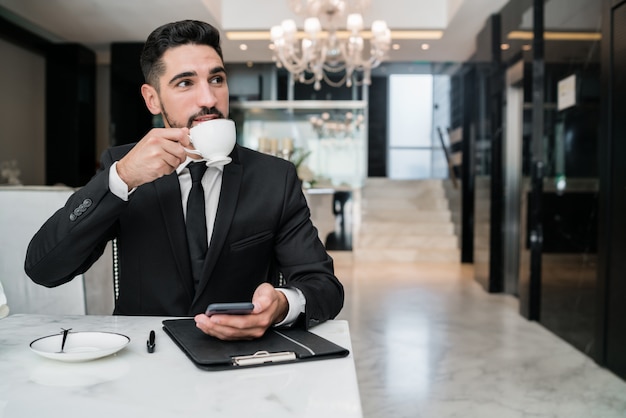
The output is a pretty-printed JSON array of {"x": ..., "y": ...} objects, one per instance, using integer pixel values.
[{"x": 237, "y": 308}]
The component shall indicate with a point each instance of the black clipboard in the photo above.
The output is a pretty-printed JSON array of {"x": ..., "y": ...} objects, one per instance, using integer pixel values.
[{"x": 277, "y": 346}]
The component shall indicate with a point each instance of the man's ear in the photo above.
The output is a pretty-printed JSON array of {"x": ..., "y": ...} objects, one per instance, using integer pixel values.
[{"x": 151, "y": 98}]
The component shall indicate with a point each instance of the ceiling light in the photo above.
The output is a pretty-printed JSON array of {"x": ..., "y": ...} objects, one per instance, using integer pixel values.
[
  {"x": 505, "y": 47},
  {"x": 416, "y": 34},
  {"x": 395, "y": 47},
  {"x": 425, "y": 47},
  {"x": 322, "y": 49},
  {"x": 243, "y": 47},
  {"x": 557, "y": 36},
  {"x": 248, "y": 35}
]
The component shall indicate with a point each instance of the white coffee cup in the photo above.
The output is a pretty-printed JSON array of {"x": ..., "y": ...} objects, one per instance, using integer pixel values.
[{"x": 213, "y": 140}]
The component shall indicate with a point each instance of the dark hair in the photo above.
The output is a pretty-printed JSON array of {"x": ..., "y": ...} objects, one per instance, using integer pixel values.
[{"x": 172, "y": 35}]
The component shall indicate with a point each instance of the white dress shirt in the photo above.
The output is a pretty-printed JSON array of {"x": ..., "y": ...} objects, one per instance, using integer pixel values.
[{"x": 212, "y": 185}]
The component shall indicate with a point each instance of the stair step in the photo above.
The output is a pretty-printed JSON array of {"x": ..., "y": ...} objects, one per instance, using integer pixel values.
[
  {"x": 402, "y": 187},
  {"x": 407, "y": 242},
  {"x": 406, "y": 221},
  {"x": 404, "y": 203},
  {"x": 406, "y": 215},
  {"x": 403, "y": 228},
  {"x": 377, "y": 182},
  {"x": 400, "y": 255}
]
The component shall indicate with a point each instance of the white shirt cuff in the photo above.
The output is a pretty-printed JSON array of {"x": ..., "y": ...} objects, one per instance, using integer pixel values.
[
  {"x": 297, "y": 304},
  {"x": 117, "y": 185}
]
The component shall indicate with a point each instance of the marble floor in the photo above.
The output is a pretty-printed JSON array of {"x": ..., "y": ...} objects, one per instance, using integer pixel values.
[{"x": 429, "y": 342}]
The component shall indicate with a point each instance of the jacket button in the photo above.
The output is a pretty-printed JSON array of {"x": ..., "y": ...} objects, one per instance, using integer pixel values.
[
  {"x": 87, "y": 203},
  {"x": 72, "y": 217}
]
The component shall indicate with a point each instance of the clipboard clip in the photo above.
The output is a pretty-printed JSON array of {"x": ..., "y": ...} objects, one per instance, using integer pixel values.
[{"x": 261, "y": 357}]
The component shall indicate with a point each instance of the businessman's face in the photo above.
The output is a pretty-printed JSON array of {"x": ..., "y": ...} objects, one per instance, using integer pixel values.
[{"x": 192, "y": 89}]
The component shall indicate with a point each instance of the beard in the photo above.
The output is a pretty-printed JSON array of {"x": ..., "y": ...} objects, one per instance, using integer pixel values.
[{"x": 203, "y": 112}]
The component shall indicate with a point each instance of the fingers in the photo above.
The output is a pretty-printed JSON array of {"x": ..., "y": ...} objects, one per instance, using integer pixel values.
[
  {"x": 233, "y": 327},
  {"x": 158, "y": 153}
]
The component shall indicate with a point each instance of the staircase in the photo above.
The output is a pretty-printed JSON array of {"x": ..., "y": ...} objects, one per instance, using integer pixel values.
[{"x": 407, "y": 221}]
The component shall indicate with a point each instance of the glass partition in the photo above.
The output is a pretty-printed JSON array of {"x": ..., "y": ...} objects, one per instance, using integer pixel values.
[
  {"x": 326, "y": 140},
  {"x": 568, "y": 272}
]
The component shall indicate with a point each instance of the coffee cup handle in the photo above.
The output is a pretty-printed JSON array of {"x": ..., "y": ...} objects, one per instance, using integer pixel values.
[{"x": 193, "y": 151}]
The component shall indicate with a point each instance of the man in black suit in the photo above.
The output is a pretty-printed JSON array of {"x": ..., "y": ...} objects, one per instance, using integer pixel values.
[{"x": 262, "y": 246}]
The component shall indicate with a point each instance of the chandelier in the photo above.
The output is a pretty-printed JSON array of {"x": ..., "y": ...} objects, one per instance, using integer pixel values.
[{"x": 323, "y": 48}]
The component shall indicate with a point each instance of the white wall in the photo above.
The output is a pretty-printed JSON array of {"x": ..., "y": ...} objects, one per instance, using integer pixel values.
[{"x": 22, "y": 111}]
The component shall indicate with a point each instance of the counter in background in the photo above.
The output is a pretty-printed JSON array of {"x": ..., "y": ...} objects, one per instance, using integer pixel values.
[{"x": 332, "y": 213}]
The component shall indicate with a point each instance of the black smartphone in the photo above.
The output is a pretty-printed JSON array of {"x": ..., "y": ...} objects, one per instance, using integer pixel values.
[{"x": 238, "y": 308}]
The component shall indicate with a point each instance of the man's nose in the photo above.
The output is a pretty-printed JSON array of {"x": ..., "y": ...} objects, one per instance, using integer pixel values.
[{"x": 206, "y": 96}]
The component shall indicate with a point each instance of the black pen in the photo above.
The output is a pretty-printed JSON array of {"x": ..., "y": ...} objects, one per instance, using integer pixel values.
[{"x": 150, "y": 343}]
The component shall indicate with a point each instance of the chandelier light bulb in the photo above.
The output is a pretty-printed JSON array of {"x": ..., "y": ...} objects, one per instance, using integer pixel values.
[
  {"x": 378, "y": 28},
  {"x": 312, "y": 26},
  {"x": 276, "y": 33},
  {"x": 289, "y": 28},
  {"x": 355, "y": 22}
]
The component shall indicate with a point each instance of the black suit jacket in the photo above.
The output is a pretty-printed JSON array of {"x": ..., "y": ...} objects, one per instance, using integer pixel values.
[{"x": 262, "y": 231}]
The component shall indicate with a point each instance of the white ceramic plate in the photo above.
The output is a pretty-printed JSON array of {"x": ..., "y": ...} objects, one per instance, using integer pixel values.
[{"x": 80, "y": 346}]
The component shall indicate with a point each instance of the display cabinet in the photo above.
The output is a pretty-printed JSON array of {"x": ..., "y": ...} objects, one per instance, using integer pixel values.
[{"x": 326, "y": 140}]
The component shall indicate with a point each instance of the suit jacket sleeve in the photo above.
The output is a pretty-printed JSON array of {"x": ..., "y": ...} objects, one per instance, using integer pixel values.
[
  {"x": 74, "y": 237},
  {"x": 303, "y": 260}
]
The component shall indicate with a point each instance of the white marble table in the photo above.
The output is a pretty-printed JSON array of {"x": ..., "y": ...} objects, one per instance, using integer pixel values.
[{"x": 134, "y": 383}]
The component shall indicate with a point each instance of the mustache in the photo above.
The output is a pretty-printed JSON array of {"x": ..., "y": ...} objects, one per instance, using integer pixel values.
[{"x": 204, "y": 112}]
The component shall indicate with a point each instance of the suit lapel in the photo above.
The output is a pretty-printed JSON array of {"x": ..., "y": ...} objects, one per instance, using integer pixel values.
[
  {"x": 168, "y": 192},
  {"x": 229, "y": 194}
]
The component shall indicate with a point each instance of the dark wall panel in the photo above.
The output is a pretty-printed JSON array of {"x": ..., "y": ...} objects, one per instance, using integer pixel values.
[
  {"x": 377, "y": 133},
  {"x": 130, "y": 119},
  {"x": 70, "y": 115},
  {"x": 616, "y": 280}
]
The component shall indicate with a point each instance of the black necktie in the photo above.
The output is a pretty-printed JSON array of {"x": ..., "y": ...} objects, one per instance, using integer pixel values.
[{"x": 196, "y": 221}]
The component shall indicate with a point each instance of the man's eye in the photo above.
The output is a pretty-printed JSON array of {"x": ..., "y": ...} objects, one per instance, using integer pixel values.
[
  {"x": 217, "y": 80},
  {"x": 184, "y": 83}
]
